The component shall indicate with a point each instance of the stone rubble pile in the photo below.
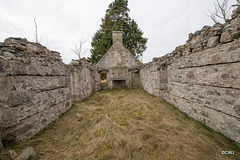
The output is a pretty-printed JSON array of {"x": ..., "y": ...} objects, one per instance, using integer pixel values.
[{"x": 27, "y": 154}]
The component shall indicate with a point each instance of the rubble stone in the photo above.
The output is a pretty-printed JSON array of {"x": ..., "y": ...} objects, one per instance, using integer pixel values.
[
  {"x": 8, "y": 55},
  {"x": 201, "y": 78},
  {"x": 12, "y": 154},
  {"x": 27, "y": 154},
  {"x": 226, "y": 37},
  {"x": 213, "y": 41}
]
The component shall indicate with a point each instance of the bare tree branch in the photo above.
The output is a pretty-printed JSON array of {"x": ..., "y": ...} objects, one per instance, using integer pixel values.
[
  {"x": 36, "y": 35},
  {"x": 78, "y": 48},
  {"x": 212, "y": 16},
  {"x": 222, "y": 11}
]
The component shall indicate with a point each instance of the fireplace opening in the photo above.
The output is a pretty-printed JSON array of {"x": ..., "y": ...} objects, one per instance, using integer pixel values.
[{"x": 119, "y": 84}]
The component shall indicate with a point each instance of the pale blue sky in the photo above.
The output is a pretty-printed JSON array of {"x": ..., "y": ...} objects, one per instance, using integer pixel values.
[{"x": 61, "y": 23}]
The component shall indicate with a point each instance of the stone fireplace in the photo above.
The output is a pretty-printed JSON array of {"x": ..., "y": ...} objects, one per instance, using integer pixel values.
[
  {"x": 121, "y": 65},
  {"x": 119, "y": 84}
]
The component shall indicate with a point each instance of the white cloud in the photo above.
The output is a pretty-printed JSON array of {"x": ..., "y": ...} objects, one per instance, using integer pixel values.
[{"x": 61, "y": 23}]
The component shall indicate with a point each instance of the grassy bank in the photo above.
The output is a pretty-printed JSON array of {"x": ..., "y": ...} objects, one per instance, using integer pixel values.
[{"x": 127, "y": 124}]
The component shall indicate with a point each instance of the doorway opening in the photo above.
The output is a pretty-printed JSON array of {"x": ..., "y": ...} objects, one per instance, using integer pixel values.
[{"x": 103, "y": 80}]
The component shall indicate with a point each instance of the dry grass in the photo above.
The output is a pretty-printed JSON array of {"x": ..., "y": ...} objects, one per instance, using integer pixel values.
[{"x": 127, "y": 124}]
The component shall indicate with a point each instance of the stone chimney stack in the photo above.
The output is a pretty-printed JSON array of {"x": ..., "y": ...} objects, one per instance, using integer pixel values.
[{"x": 117, "y": 36}]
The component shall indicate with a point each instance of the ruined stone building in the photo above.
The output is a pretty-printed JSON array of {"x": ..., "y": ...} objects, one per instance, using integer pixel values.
[
  {"x": 119, "y": 65},
  {"x": 200, "y": 78}
]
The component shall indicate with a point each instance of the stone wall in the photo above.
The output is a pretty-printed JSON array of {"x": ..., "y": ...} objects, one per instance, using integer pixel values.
[
  {"x": 34, "y": 87},
  {"x": 202, "y": 77},
  {"x": 120, "y": 65},
  {"x": 37, "y": 87},
  {"x": 84, "y": 79}
]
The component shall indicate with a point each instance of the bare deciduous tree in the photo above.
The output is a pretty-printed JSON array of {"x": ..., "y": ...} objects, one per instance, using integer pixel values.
[
  {"x": 36, "y": 34},
  {"x": 222, "y": 11},
  {"x": 78, "y": 48}
]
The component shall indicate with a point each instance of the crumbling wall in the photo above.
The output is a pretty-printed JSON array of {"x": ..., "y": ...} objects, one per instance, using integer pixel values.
[
  {"x": 34, "y": 88},
  {"x": 202, "y": 77},
  {"x": 84, "y": 79}
]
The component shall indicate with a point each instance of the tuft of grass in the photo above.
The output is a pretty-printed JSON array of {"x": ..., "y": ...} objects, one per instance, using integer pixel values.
[{"x": 127, "y": 124}]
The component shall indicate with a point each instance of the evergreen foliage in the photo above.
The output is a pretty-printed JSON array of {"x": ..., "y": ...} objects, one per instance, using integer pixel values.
[{"x": 117, "y": 19}]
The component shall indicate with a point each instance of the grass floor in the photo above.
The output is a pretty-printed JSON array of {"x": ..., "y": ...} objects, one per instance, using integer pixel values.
[{"x": 127, "y": 124}]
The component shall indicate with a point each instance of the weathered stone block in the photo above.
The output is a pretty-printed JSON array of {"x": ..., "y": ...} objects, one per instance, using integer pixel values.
[
  {"x": 226, "y": 37},
  {"x": 5, "y": 87},
  {"x": 12, "y": 154},
  {"x": 31, "y": 48},
  {"x": 236, "y": 32},
  {"x": 18, "y": 68},
  {"x": 8, "y": 55},
  {"x": 27, "y": 154},
  {"x": 228, "y": 125},
  {"x": 55, "y": 72},
  {"x": 9, "y": 117},
  {"x": 25, "y": 128},
  {"x": 5, "y": 68},
  {"x": 225, "y": 75},
  {"x": 38, "y": 83},
  {"x": 26, "y": 110},
  {"x": 20, "y": 47},
  {"x": 17, "y": 98},
  {"x": 67, "y": 81},
  {"x": 213, "y": 41},
  {"x": 225, "y": 53},
  {"x": 12, "y": 40},
  {"x": 237, "y": 109},
  {"x": 50, "y": 98},
  {"x": 216, "y": 59},
  {"x": 221, "y": 99},
  {"x": 31, "y": 70}
]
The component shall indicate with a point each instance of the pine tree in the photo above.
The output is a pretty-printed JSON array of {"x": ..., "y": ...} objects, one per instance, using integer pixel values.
[{"x": 117, "y": 19}]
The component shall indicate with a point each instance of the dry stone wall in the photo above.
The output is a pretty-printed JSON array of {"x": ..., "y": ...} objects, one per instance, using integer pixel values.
[
  {"x": 202, "y": 77},
  {"x": 84, "y": 79},
  {"x": 34, "y": 87},
  {"x": 37, "y": 87}
]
